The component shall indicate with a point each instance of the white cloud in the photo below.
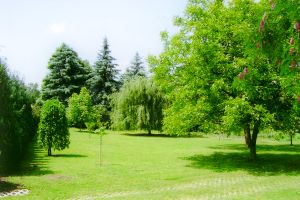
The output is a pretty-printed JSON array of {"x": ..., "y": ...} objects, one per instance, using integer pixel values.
[{"x": 58, "y": 28}]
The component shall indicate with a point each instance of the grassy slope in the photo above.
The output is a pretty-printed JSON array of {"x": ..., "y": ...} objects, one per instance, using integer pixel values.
[{"x": 163, "y": 168}]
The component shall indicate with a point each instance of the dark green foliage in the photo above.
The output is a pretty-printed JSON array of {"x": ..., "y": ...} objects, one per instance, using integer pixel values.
[
  {"x": 135, "y": 69},
  {"x": 17, "y": 124},
  {"x": 103, "y": 81},
  {"x": 53, "y": 127},
  {"x": 137, "y": 106},
  {"x": 68, "y": 74},
  {"x": 6, "y": 121}
]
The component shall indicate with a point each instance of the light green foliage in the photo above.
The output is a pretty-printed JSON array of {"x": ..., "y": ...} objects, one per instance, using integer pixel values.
[
  {"x": 138, "y": 105},
  {"x": 53, "y": 126},
  {"x": 239, "y": 112},
  {"x": 96, "y": 118},
  {"x": 230, "y": 67},
  {"x": 79, "y": 108},
  {"x": 68, "y": 74},
  {"x": 200, "y": 63}
]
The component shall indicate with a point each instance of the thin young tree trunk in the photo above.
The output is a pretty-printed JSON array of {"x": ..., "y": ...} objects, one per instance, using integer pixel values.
[
  {"x": 253, "y": 141},
  {"x": 291, "y": 135},
  {"x": 100, "y": 153},
  {"x": 247, "y": 135},
  {"x": 149, "y": 131}
]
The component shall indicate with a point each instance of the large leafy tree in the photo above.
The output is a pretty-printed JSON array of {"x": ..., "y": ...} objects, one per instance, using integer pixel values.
[
  {"x": 200, "y": 63},
  {"x": 136, "y": 68},
  {"x": 103, "y": 81},
  {"x": 268, "y": 89},
  {"x": 53, "y": 127},
  {"x": 68, "y": 73},
  {"x": 223, "y": 72},
  {"x": 138, "y": 106}
]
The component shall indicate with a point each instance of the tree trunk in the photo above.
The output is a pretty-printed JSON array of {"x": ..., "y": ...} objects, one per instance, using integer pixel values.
[
  {"x": 253, "y": 141},
  {"x": 291, "y": 135},
  {"x": 100, "y": 153},
  {"x": 247, "y": 135},
  {"x": 49, "y": 151},
  {"x": 149, "y": 131}
]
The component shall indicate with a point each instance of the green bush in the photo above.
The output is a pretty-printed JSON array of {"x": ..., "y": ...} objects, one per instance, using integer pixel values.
[
  {"x": 96, "y": 118},
  {"x": 53, "y": 126},
  {"x": 79, "y": 108}
]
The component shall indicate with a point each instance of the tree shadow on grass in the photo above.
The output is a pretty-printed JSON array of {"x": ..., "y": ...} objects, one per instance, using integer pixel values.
[
  {"x": 161, "y": 135},
  {"x": 147, "y": 135},
  {"x": 69, "y": 156},
  {"x": 261, "y": 148},
  {"x": 7, "y": 186},
  {"x": 35, "y": 163},
  {"x": 267, "y": 164}
]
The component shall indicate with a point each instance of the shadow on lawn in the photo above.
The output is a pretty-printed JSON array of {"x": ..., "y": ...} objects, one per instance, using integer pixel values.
[
  {"x": 267, "y": 164},
  {"x": 35, "y": 164},
  {"x": 7, "y": 186},
  {"x": 161, "y": 135},
  {"x": 260, "y": 148},
  {"x": 69, "y": 155}
]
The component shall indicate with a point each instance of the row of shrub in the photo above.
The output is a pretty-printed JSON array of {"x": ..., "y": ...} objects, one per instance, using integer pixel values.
[{"x": 17, "y": 122}]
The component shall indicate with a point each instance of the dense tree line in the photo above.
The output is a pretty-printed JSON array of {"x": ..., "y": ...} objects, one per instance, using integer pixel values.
[
  {"x": 92, "y": 107},
  {"x": 17, "y": 122}
]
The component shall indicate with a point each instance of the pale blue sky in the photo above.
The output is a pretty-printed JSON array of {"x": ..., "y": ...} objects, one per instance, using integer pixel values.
[{"x": 31, "y": 30}]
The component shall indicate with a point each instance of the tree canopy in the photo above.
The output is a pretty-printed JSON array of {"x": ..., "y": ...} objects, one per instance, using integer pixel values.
[
  {"x": 68, "y": 74},
  {"x": 225, "y": 71},
  {"x": 53, "y": 127},
  {"x": 138, "y": 106}
]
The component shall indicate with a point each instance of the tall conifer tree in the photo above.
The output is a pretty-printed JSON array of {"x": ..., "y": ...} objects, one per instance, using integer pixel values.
[
  {"x": 67, "y": 75},
  {"x": 103, "y": 81}
]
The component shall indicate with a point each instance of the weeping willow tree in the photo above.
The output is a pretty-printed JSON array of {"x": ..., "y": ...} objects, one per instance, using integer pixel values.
[{"x": 138, "y": 106}]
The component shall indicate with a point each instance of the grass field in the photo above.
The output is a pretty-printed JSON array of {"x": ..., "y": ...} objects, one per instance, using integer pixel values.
[{"x": 157, "y": 167}]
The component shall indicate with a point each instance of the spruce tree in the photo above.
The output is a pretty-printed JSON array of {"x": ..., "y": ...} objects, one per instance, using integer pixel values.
[
  {"x": 67, "y": 75},
  {"x": 135, "y": 69},
  {"x": 103, "y": 81}
]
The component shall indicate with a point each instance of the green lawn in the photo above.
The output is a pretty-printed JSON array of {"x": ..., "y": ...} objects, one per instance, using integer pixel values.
[{"x": 142, "y": 167}]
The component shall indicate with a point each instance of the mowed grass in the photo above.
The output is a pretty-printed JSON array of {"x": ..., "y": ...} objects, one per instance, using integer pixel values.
[{"x": 157, "y": 167}]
